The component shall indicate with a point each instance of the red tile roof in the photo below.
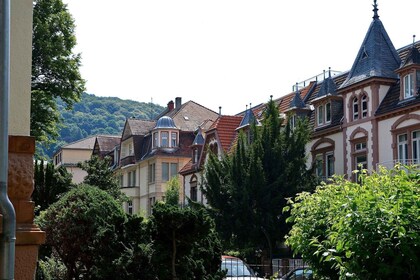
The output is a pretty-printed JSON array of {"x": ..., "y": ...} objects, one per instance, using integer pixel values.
[{"x": 226, "y": 129}]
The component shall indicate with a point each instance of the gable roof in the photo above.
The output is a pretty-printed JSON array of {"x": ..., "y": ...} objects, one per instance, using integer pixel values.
[
  {"x": 226, "y": 130},
  {"x": 82, "y": 144},
  {"x": 377, "y": 56},
  {"x": 189, "y": 115},
  {"x": 137, "y": 127},
  {"x": 105, "y": 144}
]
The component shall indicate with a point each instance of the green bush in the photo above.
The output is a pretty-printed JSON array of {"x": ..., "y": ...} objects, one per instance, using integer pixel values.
[{"x": 369, "y": 230}]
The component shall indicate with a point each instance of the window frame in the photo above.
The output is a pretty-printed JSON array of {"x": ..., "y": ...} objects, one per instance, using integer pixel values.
[
  {"x": 408, "y": 91},
  {"x": 164, "y": 137}
]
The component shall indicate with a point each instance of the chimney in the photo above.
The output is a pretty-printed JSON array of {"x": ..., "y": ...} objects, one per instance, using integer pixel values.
[
  {"x": 178, "y": 102},
  {"x": 170, "y": 105}
]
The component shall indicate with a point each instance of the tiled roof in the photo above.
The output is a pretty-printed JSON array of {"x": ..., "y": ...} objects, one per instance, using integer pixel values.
[
  {"x": 413, "y": 57},
  {"x": 187, "y": 168},
  {"x": 377, "y": 56},
  {"x": 137, "y": 127},
  {"x": 82, "y": 144},
  {"x": 189, "y": 115},
  {"x": 226, "y": 129},
  {"x": 107, "y": 142},
  {"x": 391, "y": 100}
]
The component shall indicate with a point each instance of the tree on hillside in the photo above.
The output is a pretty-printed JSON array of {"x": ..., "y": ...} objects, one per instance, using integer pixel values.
[
  {"x": 50, "y": 184},
  {"x": 99, "y": 174},
  {"x": 247, "y": 189},
  {"x": 55, "y": 69},
  {"x": 186, "y": 245},
  {"x": 346, "y": 230}
]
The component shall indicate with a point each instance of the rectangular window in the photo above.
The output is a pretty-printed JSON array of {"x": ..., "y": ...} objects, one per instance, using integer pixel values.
[
  {"x": 402, "y": 148},
  {"x": 409, "y": 85},
  {"x": 319, "y": 165},
  {"x": 292, "y": 121},
  {"x": 330, "y": 165},
  {"x": 360, "y": 146},
  {"x": 164, "y": 139},
  {"x": 195, "y": 155},
  {"x": 416, "y": 147},
  {"x": 193, "y": 195},
  {"x": 165, "y": 171},
  {"x": 130, "y": 207},
  {"x": 328, "y": 112},
  {"x": 320, "y": 115},
  {"x": 132, "y": 178},
  {"x": 152, "y": 172},
  {"x": 155, "y": 140},
  {"x": 152, "y": 201},
  {"x": 121, "y": 181},
  {"x": 130, "y": 149},
  {"x": 174, "y": 169},
  {"x": 174, "y": 139}
]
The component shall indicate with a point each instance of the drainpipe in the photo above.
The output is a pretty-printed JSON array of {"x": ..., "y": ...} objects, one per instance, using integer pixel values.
[{"x": 8, "y": 237}]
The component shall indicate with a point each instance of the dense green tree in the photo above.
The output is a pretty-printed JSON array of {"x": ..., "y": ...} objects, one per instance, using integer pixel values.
[
  {"x": 99, "y": 174},
  {"x": 50, "y": 184},
  {"x": 346, "y": 230},
  {"x": 247, "y": 188},
  {"x": 84, "y": 229},
  {"x": 55, "y": 68},
  {"x": 185, "y": 242}
]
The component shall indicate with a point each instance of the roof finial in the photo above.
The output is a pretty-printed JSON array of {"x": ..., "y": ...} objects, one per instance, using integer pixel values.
[
  {"x": 250, "y": 105},
  {"x": 271, "y": 97},
  {"x": 329, "y": 72},
  {"x": 297, "y": 87},
  {"x": 375, "y": 10},
  {"x": 414, "y": 39}
]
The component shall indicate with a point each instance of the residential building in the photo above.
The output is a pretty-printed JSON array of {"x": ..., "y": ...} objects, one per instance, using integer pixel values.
[
  {"x": 153, "y": 151},
  {"x": 366, "y": 117},
  {"x": 79, "y": 151}
]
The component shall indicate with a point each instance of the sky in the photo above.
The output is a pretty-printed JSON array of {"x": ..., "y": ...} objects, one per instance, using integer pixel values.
[{"x": 228, "y": 53}]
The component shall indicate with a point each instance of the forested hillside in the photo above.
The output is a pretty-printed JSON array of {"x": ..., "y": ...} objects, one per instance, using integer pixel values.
[{"x": 97, "y": 115}]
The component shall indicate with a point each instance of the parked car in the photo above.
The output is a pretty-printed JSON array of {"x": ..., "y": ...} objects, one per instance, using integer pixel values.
[
  {"x": 237, "y": 269},
  {"x": 301, "y": 273}
]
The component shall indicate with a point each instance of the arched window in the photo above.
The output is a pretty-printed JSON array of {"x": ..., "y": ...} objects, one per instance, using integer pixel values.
[{"x": 364, "y": 106}]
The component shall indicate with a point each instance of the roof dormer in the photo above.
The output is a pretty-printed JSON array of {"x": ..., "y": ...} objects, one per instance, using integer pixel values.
[
  {"x": 165, "y": 134},
  {"x": 409, "y": 73}
]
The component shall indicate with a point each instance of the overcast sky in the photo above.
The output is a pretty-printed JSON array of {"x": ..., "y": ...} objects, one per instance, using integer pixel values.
[{"x": 225, "y": 53}]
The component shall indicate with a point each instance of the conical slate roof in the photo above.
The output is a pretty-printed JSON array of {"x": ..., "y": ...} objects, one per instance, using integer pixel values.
[
  {"x": 297, "y": 102},
  {"x": 248, "y": 118},
  {"x": 377, "y": 56},
  {"x": 328, "y": 87},
  {"x": 199, "y": 139}
]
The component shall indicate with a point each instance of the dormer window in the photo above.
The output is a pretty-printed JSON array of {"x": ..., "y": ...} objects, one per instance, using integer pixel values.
[
  {"x": 174, "y": 139},
  {"x": 195, "y": 155},
  {"x": 323, "y": 114},
  {"x": 409, "y": 85},
  {"x": 155, "y": 139},
  {"x": 165, "y": 134},
  {"x": 292, "y": 121},
  {"x": 320, "y": 112},
  {"x": 164, "y": 139}
]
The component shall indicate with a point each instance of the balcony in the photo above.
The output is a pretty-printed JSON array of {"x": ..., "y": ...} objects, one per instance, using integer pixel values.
[{"x": 128, "y": 160}]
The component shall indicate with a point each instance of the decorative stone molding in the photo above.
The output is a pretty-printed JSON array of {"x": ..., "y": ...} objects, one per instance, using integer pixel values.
[{"x": 20, "y": 188}]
